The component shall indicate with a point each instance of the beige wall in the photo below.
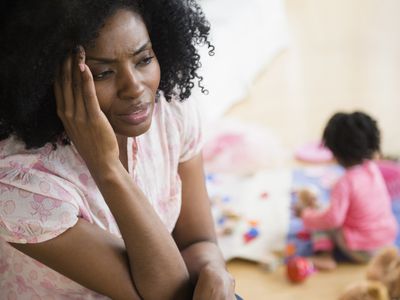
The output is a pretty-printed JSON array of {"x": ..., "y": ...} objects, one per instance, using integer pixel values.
[{"x": 344, "y": 55}]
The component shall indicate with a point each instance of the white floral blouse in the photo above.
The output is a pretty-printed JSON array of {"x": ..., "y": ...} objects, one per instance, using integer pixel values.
[{"x": 44, "y": 191}]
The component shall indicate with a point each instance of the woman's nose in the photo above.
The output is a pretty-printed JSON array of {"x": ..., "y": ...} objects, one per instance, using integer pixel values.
[{"x": 130, "y": 84}]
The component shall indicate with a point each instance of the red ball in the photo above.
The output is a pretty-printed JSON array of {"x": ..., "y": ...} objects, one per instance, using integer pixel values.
[{"x": 298, "y": 269}]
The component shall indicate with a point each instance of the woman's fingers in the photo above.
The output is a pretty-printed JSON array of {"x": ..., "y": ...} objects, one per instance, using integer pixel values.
[
  {"x": 89, "y": 93},
  {"x": 74, "y": 89},
  {"x": 59, "y": 96},
  {"x": 79, "y": 105},
  {"x": 79, "y": 110},
  {"x": 66, "y": 88}
]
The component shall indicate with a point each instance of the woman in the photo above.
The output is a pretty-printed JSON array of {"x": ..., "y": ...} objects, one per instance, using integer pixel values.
[{"x": 101, "y": 181}]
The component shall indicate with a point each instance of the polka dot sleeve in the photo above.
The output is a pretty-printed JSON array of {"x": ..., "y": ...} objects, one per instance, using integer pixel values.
[{"x": 35, "y": 206}]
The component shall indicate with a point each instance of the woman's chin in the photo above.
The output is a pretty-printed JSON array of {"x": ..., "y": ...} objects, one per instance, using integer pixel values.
[{"x": 133, "y": 130}]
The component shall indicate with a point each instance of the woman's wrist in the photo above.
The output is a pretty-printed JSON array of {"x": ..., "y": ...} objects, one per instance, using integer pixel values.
[{"x": 107, "y": 171}]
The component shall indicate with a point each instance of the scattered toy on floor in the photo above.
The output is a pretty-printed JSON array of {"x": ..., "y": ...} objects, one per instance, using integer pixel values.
[
  {"x": 250, "y": 235},
  {"x": 366, "y": 290},
  {"x": 298, "y": 269},
  {"x": 383, "y": 278},
  {"x": 307, "y": 197}
]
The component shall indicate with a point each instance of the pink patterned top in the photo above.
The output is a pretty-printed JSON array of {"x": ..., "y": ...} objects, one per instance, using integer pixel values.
[{"x": 44, "y": 191}]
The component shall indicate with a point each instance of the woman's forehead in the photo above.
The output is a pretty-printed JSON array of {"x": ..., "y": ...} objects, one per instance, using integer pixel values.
[{"x": 123, "y": 32}]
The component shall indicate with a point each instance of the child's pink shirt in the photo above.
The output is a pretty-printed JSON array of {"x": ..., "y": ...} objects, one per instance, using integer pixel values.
[
  {"x": 359, "y": 206},
  {"x": 44, "y": 191}
]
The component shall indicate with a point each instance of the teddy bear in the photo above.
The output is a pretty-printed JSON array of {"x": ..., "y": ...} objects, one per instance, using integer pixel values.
[
  {"x": 383, "y": 279},
  {"x": 385, "y": 267},
  {"x": 307, "y": 197},
  {"x": 366, "y": 290}
]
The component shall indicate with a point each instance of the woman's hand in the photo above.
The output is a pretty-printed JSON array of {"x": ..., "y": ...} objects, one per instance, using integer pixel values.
[
  {"x": 214, "y": 284},
  {"x": 79, "y": 110}
]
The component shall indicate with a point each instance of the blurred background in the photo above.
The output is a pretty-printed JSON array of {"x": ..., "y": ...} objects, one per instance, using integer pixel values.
[
  {"x": 285, "y": 66},
  {"x": 289, "y": 65}
]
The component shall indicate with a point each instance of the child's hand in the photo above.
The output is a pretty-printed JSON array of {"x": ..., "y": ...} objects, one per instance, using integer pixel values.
[{"x": 79, "y": 110}]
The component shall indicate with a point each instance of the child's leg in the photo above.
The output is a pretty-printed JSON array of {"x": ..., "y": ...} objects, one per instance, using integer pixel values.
[
  {"x": 322, "y": 242},
  {"x": 356, "y": 256}
]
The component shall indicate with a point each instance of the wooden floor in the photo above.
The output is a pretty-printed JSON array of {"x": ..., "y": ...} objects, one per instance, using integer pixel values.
[{"x": 344, "y": 55}]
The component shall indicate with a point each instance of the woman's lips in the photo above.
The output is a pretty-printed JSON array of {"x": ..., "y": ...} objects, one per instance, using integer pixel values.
[{"x": 137, "y": 116}]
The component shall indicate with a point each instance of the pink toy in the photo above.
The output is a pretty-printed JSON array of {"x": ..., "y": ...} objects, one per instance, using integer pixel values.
[
  {"x": 391, "y": 174},
  {"x": 238, "y": 147},
  {"x": 313, "y": 152},
  {"x": 298, "y": 269}
]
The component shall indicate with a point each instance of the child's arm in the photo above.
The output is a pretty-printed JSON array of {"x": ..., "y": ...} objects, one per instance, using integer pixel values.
[
  {"x": 194, "y": 233},
  {"x": 333, "y": 216}
]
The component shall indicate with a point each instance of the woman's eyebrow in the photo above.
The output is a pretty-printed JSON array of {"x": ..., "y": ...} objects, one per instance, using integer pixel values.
[{"x": 133, "y": 52}]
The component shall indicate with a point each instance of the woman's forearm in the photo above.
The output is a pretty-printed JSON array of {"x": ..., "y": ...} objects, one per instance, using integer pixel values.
[
  {"x": 200, "y": 255},
  {"x": 156, "y": 264}
]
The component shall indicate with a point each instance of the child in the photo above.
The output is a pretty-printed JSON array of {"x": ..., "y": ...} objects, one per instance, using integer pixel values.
[{"x": 358, "y": 220}]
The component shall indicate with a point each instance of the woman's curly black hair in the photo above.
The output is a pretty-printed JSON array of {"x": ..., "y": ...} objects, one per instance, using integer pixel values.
[
  {"x": 36, "y": 36},
  {"x": 352, "y": 137}
]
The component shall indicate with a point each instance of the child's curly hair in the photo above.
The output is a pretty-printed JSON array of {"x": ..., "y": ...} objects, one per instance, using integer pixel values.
[
  {"x": 352, "y": 137},
  {"x": 36, "y": 36}
]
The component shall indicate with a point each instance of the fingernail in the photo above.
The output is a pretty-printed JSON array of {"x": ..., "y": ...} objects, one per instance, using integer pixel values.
[
  {"x": 82, "y": 67},
  {"x": 80, "y": 52}
]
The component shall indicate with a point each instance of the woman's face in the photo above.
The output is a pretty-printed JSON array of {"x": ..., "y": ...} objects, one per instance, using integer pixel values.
[{"x": 126, "y": 73}]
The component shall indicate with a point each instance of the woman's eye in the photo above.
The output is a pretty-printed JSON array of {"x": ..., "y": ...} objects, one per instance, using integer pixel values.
[
  {"x": 147, "y": 60},
  {"x": 102, "y": 75}
]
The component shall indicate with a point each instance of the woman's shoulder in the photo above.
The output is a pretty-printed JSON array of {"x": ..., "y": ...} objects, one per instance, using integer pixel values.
[
  {"x": 179, "y": 122},
  {"x": 175, "y": 109},
  {"x": 12, "y": 148},
  {"x": 51, "y": 159}
]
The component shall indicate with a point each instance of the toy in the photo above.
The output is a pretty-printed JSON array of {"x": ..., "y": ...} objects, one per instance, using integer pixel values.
[
  {"x": 383, "y": 274},
  {"x": 298, "y": 269},
  {"x": 307, "y": 197},
  {"x": 391, "y": 174},
  {"x": 290, "y": 250},
  {"x": 385, "y": 267},
  {"x": 313, "y": 152},
  {"x": 250, "y": 235},
  {"x": 366, "y": 290}
]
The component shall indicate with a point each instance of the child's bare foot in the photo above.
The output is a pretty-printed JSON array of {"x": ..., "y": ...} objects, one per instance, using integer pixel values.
[{"x": 323, "y": 262}]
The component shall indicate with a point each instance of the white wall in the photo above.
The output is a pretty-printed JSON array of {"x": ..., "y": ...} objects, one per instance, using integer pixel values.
[{"x": 247, "y": 35}]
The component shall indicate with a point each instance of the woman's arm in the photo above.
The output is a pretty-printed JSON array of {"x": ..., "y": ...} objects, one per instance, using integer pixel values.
[
  {"x": 156, "y": 264},
  {"x": 195, "y": 236},
  {"x": 89, "y": 256}
]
